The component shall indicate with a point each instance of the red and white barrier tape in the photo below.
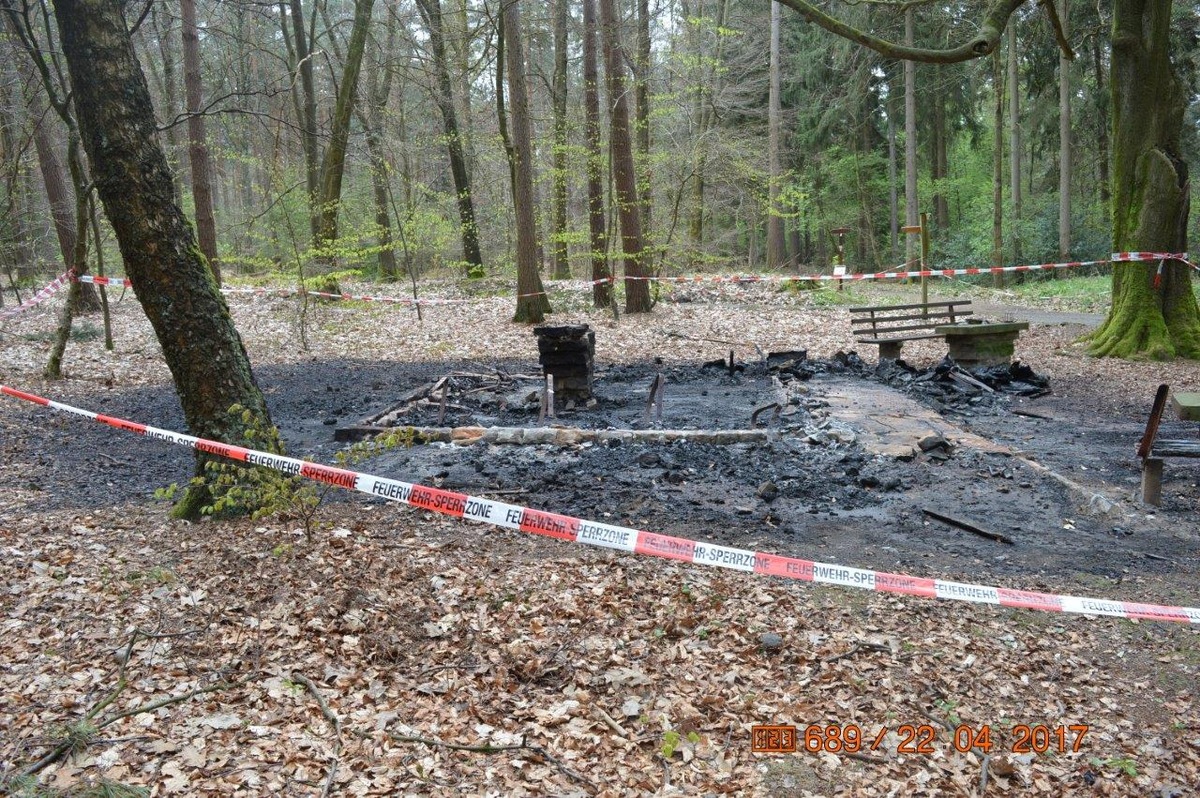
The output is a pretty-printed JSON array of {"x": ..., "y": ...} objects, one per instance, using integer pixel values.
[
  {"x": 593, "y": 533},
  {"x": 1124, "y": 257},
  {"x": 1117, "y": 257},
  {"x": 788, "y": 278},
  {"x": 124, "y": 281},
  {"x": 41, "y": 296}
]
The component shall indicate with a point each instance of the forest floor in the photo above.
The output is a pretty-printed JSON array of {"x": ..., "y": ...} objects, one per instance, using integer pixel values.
[{"x": 392, "y": 651}]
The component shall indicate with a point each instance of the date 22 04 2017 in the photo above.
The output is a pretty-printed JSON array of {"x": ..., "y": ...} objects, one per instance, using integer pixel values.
[{"x": 917, "y": 740}]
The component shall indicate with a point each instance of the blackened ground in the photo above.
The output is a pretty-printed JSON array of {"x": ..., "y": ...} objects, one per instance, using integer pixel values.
[{"x": 829, "y": 501}]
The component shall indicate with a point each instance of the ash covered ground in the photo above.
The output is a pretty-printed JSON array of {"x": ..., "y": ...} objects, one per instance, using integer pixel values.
[{"x": 810, "y": 491}]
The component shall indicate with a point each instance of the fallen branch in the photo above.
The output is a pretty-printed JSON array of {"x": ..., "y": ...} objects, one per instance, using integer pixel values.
[
  {"x": 73, "y": 740},
  {"x": 300, "y": 678},
  {"x": 496, "y": 749},
  {"x": 860, "y": 646},
  {"x": 969, "y": 527},
  {"x": 611, "y": 723}
]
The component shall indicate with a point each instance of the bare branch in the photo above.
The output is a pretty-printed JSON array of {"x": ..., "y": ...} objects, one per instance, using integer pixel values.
[
  {"x": 983, "y": 43},
  {"x": 1056, "y": 24}
]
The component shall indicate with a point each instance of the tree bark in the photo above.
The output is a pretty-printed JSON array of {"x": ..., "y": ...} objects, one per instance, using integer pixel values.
[
  {"x": 1102, "y": 120},
  {"x": 597, "y": 235},
  {"x": 1014, "y": 140},
  {"x": 431, "y": 11},
  {"x": 558, "y": 236},
  {"x": 380, "y": 90},
  {"x": 301, "y": 40},
  {"x": 170, "y": 277},
  {"x": 1064, "y": 140},
  {"x": 532, "y": 303},
  {"x": 998, "y": 169},
  {"x": 940, "y": 168},
  {"x": 911, "y": 248},
  {"x": 893, "y": 189},
  {"x": 637, "y": 288},
  {"x": 776, "y": 249},
  {"x": 333, "y": 166},
  {"x": 1150, "y": 192},
  {"x": 642, "y": 114},
  {"x": 206, "y": 225}
]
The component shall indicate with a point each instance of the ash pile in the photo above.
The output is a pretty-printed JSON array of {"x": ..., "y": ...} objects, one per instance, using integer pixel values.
[{"x": 946, "y": 387}]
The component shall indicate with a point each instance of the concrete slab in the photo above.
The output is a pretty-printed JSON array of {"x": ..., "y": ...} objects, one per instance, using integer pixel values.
[{"x": 890, "y": 423}]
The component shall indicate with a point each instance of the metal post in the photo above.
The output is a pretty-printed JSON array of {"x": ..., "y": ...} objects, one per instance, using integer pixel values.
[{"x": 840, "y": 253}]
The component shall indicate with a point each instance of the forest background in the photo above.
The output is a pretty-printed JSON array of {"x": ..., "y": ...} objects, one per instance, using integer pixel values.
[{"x": 429, "y": 131}]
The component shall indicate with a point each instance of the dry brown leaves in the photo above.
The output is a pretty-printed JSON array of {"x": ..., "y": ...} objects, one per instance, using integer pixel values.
[{"x": 353, "y": 664}]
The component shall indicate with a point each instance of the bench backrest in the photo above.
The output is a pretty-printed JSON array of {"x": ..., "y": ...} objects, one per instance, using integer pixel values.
[
  {"x": 1156, "y": 411},
  {"x": 905, "y": 318}
]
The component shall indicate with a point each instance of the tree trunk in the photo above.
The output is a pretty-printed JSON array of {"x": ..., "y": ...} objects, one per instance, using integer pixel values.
[
  {"x": 1014, "y": 139},
  {"x": 1150, "y": 192},
  {"x": 170, "y": 278},
  {"x": 893, "y": 190},
  {"x": 1102, "y": 127},
  {"x": 532, "y": 303},
  {"x": 776, "y": 249},
  {"x": 939, "y": 167},
  {"x": 170, "y": 100},
  {"x": 642, "y": 113},
  {"x": 334, "y": 165},
  {"x": 637, "y": 289},
  {"x": 431, "y": 10},
  {"x": 1064, "y": 140},
  {"x": 69, "y": 211},
  {"x": 558, "y": 236},
  {"x": 308, "y": 106},
  {"x": 206, "y": 225},
  {"x": 911, "y": 250},
  {"x": 597, "y": 236},
  {"x": 998, "y": 169},
  {"x": 380, "y": 90}
]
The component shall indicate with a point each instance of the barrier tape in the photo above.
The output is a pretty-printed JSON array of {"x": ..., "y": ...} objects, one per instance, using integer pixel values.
[
  {"x": 784, "y": 278},
  {"x": 593, "y": 533},
  {"x": 1124, "y": 257},
  {"x": 736, "y": 279},
  {"x": 127, "y": 283},
  {"x": 41, "y": 296}
]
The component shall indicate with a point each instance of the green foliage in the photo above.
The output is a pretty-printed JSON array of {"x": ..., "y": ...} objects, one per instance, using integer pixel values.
[
  {"x": 671, "y": 741},
  {"x": 1123, "y": 765},
  {"x": 330, "y": 282},
  {"x": 401, "y": 437},
  {"x": 257, "y": 491}
]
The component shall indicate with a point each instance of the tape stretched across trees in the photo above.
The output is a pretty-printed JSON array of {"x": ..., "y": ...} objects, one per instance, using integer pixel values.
[
  {"x": 588, "y": 284},
  {"x": 41, "y": 296},
  {"x": 127, "y": 283},
  {"x": 593, "y": 533}
]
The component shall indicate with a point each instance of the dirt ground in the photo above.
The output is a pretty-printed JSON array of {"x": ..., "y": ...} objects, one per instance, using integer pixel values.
[{"x": 1059, "y": 480}]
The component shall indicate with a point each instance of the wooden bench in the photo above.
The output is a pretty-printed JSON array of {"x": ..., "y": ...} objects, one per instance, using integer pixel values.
[
  {"x": 889, "y": 326},
  {"x": 1152, "y": 450}
]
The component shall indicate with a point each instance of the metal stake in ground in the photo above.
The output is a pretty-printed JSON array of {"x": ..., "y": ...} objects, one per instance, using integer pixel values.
[{"x": 655, "y": 397}]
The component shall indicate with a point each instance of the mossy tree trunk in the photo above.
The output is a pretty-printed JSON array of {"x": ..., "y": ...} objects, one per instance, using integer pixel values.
[
  {"x": 162, "y": 259},
  {"x": 1150, "y": 192}
]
